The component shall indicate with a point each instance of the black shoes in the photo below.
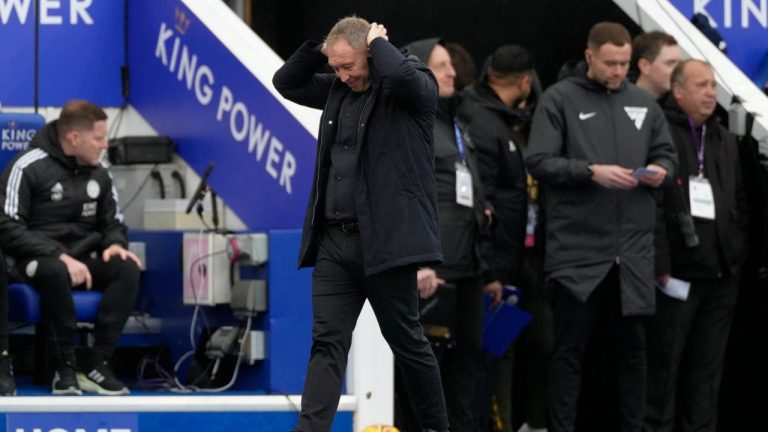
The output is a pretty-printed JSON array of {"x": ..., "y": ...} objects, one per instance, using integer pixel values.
[
  {"x": 65, "y": 380},
  {"x": 99, "y": 378},
  {"x": 7, "y": 385}
]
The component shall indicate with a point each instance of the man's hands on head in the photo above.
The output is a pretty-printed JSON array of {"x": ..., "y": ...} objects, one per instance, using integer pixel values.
[{"x": 376, "y": 30}]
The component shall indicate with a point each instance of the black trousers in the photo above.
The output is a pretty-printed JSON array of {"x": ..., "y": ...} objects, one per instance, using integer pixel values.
[
  {"x": 118, "y": 279},
  {"x": 574, "y": 323},
  {"x": 459, "y": 364},
  {"x": 687, "y": 341},
  {"x": 339, "y": 290}
]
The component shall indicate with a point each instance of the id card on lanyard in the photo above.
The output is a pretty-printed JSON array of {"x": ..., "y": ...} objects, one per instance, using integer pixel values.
[
  {"x": 702, "y": 200},
  {"x": 464, "y": 192}
]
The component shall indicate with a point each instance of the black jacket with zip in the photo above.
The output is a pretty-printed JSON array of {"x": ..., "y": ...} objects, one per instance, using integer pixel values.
[
  {"x": 463, "y": 230},
  {"x": 502, "y": 171},
  {"x": 723, "y": 242},
  {"x": 589, "y": 228},
  {"x": 51, "y": 204},
  {"x": 395, "y": 195}
]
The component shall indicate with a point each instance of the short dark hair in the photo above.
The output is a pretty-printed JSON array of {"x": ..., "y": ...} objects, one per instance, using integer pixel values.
[
  {"x": 678, "y": 74},
  {"x": 352, "y": 29},
  {"x": 79, "y": 115},
  {"x": 510, "y": 61},
  {"x": 649, "y": 45},
  {"x": 608, "y": 32}
]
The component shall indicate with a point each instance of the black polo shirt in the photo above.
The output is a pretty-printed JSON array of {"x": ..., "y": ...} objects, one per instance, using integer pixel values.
[{"x": 340, "y": 190}]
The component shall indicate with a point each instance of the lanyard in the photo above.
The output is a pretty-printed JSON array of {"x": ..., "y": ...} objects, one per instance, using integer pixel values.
[
  {"x": 700, "y": 143},
  {"x": 459, "y": 139}
]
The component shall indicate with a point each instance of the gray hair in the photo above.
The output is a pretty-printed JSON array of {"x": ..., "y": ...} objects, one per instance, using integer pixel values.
[{"x": 352, "y": 29}]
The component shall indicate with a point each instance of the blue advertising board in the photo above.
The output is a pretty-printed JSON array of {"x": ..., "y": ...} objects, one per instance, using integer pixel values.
[
  {"x": 742, "y": 23},
  {"x": 81, "y": 51},
  {"x": 101, "y": 422},
  {"x": 189, "y": 86},
  {"x": 17, "y": 130}
]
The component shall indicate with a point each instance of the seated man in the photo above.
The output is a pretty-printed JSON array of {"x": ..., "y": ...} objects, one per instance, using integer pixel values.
[{"x": 59, "y": 207}]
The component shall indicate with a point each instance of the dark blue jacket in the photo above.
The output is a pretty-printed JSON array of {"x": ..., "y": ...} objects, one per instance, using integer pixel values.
[{"x": 395, "y": 194}]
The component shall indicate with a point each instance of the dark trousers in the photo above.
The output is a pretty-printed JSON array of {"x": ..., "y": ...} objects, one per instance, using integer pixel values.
[
  {"x": 118, "y": 279},
  {"x": 532, "y": 353},
  {"x": 574, "y": 323},
  {"x": 459, "y": 364},
  {"x": 339, "y": 290},
  {"x": 687, "y": 341}
]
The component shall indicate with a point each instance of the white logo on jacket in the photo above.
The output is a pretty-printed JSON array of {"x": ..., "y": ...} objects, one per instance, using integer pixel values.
[
  {"x": 637, "y": 115},
  {"x": 586, "y": 116},
  {"x": 89, "y": 209},
  {"x": 512, "y": 147},
  {"x": 57, "y": 192},
  {"x": 93, "y": 189}
]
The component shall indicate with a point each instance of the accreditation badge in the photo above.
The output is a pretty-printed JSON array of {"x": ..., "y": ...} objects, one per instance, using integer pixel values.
[
  {"x": 702, "y": 199},
  {"x": 464, "y": 194}
]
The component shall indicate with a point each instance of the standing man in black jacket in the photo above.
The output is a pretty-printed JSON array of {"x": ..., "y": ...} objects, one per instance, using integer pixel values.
[
  {"x": 490, "y": 107},
  {"x": 60, "y": 206},
  {"x": 599, "y": 146},
  {"x": 372, "y": 215},
  {"x": 701, "y": 244},
  {"x": 462, "y": 228}
]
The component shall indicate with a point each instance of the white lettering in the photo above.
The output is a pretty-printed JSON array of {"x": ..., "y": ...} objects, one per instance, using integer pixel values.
[
  {"x": 160, "y": 51},
  {"x": 760, "y": 14},
  {"x": 80, "y": 8},
  {"x": 275, "y": 147},
  {"x": 258, "y": 137},
  {"x": 288, "y": 170},
  {"x": 20, "y": 6},
  {"x": 14, "y": 145},
  {"x": 187, "y": 66},
  {"x": 238, "y": 134},
  {"x": 225, "y": 102},
  {"x": 50, "y": 11},
  {"x": 45, "y": 6},
  {"x": 204, "y": 92},
  {"x": 728, "y": 14},
  {"x": 174, "y": 53},
  {"x": 57, "y": 429}
]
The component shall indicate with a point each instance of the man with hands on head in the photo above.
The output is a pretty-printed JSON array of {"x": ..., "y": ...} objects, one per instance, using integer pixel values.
[
  {"x": 371, "y": 219},
  {"x": 599, "y": 146},
  {"x": 62, "y": 226}
]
